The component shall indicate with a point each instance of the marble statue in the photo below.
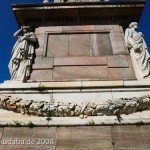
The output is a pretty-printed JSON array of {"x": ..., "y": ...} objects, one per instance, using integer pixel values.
[
  {"x": 138, "y": 51},
  {"x": 22, "y": 54}
]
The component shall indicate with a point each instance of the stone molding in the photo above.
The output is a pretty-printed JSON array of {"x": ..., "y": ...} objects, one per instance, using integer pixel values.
[{"x": 82, "y": 109}]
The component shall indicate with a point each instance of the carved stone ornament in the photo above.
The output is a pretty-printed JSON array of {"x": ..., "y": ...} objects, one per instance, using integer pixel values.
[
  {"x": 60, "y": 109},
  {"x": 138, "y": 51},
  {"x": 22, "y": 54}
]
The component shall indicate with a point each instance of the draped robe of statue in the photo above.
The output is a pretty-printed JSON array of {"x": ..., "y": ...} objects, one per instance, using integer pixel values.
[
  {"x": 22, "y": 57},
  {"x": 138, "y": 52}
]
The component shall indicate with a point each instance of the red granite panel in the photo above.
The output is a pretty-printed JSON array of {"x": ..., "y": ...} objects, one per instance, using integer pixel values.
[
  {"x": 57, "y": 45},
  {"x": 43, "y": 63},
  {"x": 117, "y": 61},
  {"x": 79, "y": 61},
  {"x": 84, "y": 138},
  {"x": 1, "y": 133},
  {"x": 48, "y": 29},
  {"x": 121, "y": 73},
  {"x": 104, "y": 44},
  {"x": 41, "y": 75},
  {"x": 117, "y": 41},
  {"x": 144, "y": 132},
  {"x": 129, "y": 61},
  {"x": 79, "y": 45},
  {"x": 29, "y": 139},
  {"x": 107, "y": 27},
  {"x": 131, "y": 137},
  {"x": 85, "y": 28},
  {"x": 80, "y": 72},
  {"x": 42, "y": 66}
]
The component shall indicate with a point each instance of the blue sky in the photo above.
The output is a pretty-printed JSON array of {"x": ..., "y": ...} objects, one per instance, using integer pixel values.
[{"x": 8, "y": 26}]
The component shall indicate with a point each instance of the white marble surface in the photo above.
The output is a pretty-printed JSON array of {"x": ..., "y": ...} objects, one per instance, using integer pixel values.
[{"x": 7, "y": 117}]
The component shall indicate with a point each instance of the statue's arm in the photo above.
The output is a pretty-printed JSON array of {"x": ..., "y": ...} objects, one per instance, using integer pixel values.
[
  {"x": 17, "y": 33},
  {"x": 29, "y": 37}
]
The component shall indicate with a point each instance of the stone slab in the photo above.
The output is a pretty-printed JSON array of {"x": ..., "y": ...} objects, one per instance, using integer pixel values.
[
  {"x": 104, "y": 44},
  {"x": 57, "y": 45},
  {"x": 43, "y": 63},
  {"x": 79, "y": 61},
  {"x": 35, "y": 138},
  {"x": 112, "y": 137},
  {"x": 86, "y": 84},
  {"x": 117, "y": 39},
  {"x": 41, "y": 66},
  {"x": 83, "y": 96},
  {"x": 130, "y": 137},
  {"x": 41, "y": 75},
  {"x": 74, "y": 84},
  {"x": 41, "y": 30},
  {"x": 40, "y": 44},
  {"x": 61, "y": 84},
  {"x": 128, "y": 93},
  {"x": 86, "y": 28},
  {"x": 79, "y": 45},
  {"x": 118, "y": 61},
  {"x": 80, "y": 72},
  {"x": 134, "y": 83},
  {"x": 121, "y": 74},
  {"x": 8, "y": 117},
  {"x": 107, "y": 27},
  {"x": 84, "y": 138}
]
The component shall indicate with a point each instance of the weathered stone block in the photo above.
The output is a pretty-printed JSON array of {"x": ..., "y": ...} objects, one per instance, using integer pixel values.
[
  {"x": 79, "y": 45},
  {"x": 81, "y": 72},
  {"x": 80, "y": 61},
  {"x": 43, "y": 63},
  {"x": 121, "y": 73},
  {"x": 57, "y": 46},
  {"x": 41, "y": 75},
  {"x": 118, "y": 61}
]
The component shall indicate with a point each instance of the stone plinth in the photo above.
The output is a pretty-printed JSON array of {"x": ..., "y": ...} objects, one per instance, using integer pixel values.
[{"x": 89, "y": 52}]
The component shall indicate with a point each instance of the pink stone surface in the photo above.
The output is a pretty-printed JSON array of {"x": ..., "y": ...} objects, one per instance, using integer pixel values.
[
  {"x": 57, "y": 45},
  {"x": 121, "y": 73},
  {"x": 117, "y": 40},
  {"x": 118, "y": 61},
  {"x": 79, "y": 61},
  {"x": 78, "y": 28},
  {"x": 79, "y": 45},
  {"x": 41, "y": 75},
  {"x": 80, "y": 72}
]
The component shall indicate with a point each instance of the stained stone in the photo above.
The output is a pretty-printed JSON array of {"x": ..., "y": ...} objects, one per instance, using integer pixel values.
[
  {"x": 80, "y": 72},
  {"x": 79, "y": 45},
  {"x": 117, "y": 61},
  {"x": 80, "y": 61},
  {"x": 37, "y": 135},
  {"x": 84, "y": 138},
  {"x": 121, "y": 73},
  {"x": 130, "y": 137},
  {"x": 41, "y": 75},
  {"x": 54, "y": 49}
]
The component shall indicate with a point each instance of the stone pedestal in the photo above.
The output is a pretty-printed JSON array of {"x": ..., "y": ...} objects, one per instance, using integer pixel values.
[{"x": 81, "y": 70}]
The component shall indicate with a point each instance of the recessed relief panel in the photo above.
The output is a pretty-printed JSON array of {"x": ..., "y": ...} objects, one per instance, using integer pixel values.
[{"x": 79, "y": 44}]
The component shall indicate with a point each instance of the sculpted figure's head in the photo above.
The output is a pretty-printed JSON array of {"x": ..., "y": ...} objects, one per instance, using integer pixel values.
[
  {"x": 133, "y": 25},
  {"x": 25, "y": 29}
]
